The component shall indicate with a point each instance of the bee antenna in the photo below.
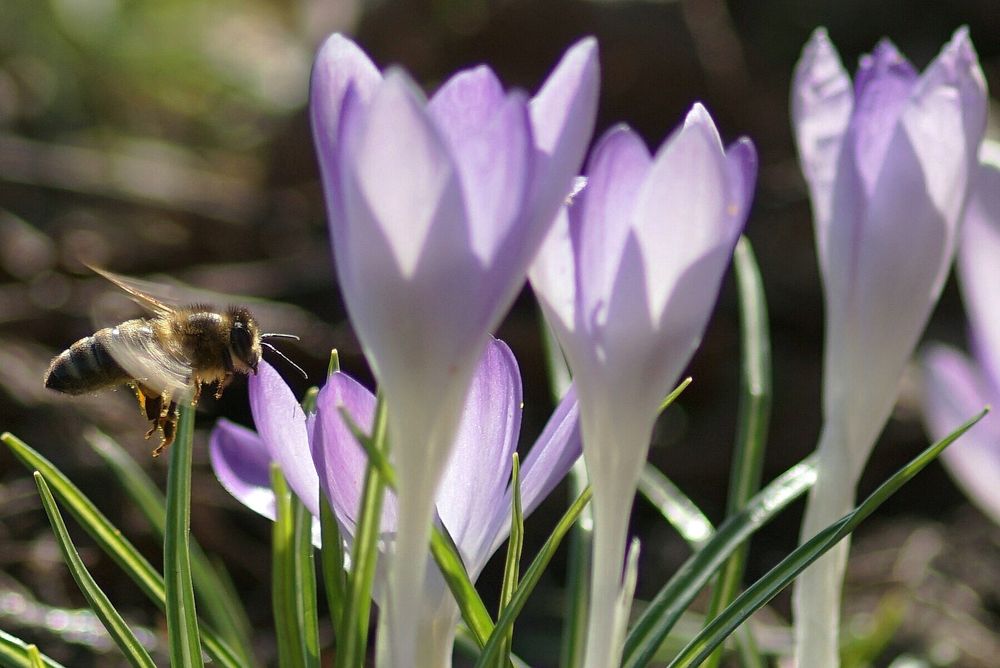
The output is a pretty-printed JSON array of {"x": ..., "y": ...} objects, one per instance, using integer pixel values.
[
  {"x": 272, "y": 335},
  {"x": 285, "y": 357}
]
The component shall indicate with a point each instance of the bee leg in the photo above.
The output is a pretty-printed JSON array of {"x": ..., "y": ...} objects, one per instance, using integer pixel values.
[
  {"x": 222, "y": 385},
  {"x": 197, "y": 393},
  {"x": 151, "y": 405},
  {"x": 167, "y": 424}
]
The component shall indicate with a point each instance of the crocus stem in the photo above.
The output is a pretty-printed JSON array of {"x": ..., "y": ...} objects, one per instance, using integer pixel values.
[
  {"x": 817, "y": 595},
  {"x": 610, "y": 530},
  {"x": 614, "y": 473}
]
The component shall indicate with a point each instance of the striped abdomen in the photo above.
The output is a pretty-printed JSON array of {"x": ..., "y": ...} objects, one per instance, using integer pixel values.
[{"x": 87, "y": 366}]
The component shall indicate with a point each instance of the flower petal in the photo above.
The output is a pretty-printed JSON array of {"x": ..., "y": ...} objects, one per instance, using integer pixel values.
[
  {"x": 882, "y": 88},
  {"x": 340, "y": 460},
  {"x": 242, "y": 464},
  {"x": 281, "y": 424},
  {"x": 601, "y": 216},
  {"x": 741, "y": 157},
  {"x": 822, "y": 100},
  {"x": 978, "y": 264},
  {"x": 340, "y": 64},
  {"x": 553, "y": 454},
  {"x": 681, "y": 211},
  {"x": 562, "y": 119},
  {"x": 475, "y": 481},
  {"x": 953, "y": 393}
]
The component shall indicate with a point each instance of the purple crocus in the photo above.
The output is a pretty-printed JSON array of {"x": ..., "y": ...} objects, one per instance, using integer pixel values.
[
  {"x": 317, "y": 451},
  {"x": 887, "y": 162},
  {"x": 436, "y": 208},
  {"x": 955, "y": 387},
  {"x": 628, "y": 278}
]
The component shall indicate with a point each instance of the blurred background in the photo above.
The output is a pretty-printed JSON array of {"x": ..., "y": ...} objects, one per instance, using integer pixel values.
[{"x": 170, "y": 138}]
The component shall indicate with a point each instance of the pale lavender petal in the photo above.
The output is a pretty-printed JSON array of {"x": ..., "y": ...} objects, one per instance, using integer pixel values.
[
  {"x": 242, "y": 463},
  {"x": 882, "y": 88},
  {"x": 680, "y": 213},
  {"x": 562, "y": 119},
  {"x": 822, "y": 99},
  {"x": 281, "y": 424},
  {"x": 479, "y": 468},
  {"x": 403, "y": 176},
  {"x": 979, "y": 265},
  {"x": 601, "y": 216},
  {"x": 549, "y": 460},
  {"x": 340, "y": 461},
  {"x": 495, "y": 167},
  {"x": 553, "y": 454},
  {"x": 466, "y": 103},
  {"x": 340, "y": 64},
  {"x": 919, "y": 196},
  {"x": 409, "y": 240},
  {"x": 953, "y": 393},
  {"x": 741, "y": 157},
  {"x": 553, "y": 276}
]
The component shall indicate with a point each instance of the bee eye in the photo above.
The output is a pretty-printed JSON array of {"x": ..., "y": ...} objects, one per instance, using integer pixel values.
[{"x": 240, "y": 341}]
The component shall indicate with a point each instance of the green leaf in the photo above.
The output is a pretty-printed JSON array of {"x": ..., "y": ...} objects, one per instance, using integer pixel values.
[
  {"x": 332, "y": 562},
  {"x": 675, "y": 506},
  {"x": 530, "y": 580},
  {"x": 35, "y": 657},
  {"x": 577, "y": 567},
  {"x": 215, "y": 594},
  {"x": 183, "y": 634},
  {"x": 293, "y": 578},
  {"x": 96, "y": 599},
  {"x": 364, "y": 554},
  {"x": 677, "y": 594},
  {"x": 16, "y": 653},
  {"x": 751, "y": 434},
  {"x": 779, "y": 577},
  {"x": 512, "y": 565},
  {"x": 111, "y": 540}
]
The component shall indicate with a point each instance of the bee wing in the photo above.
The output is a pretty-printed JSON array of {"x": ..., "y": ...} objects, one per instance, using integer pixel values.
[
  {"x": 134, "y": 346},
  {"x": 141, "y": 292}
]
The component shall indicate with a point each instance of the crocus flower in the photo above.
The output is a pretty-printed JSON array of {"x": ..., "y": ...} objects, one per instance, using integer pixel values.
[
  {"x": 436, "y": 208},
  {"x": 473, "y": 502},
  {"x": 955, "y": 387},
  {"x": 887, "y": 162},
  {"x": 628, "y": 278}
]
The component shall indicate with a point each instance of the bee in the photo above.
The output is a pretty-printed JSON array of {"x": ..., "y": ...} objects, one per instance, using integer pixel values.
[{"x": 165, "y": 358}]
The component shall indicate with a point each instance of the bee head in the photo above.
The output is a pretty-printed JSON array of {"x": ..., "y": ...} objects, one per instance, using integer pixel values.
[{"x": 244, "y": 340}]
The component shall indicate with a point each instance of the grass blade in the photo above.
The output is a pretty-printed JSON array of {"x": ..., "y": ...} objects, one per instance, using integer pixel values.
[
  {"x": 675, "y": 506},
  {"x": 762, "y": 591},
  {"x": 16, "y": 653},
  {"x": 293, "y": 578},
  {"x": 513, "y": 563},
  {"x": 214, "y": 595},
  {"x": 183, "y": 634},
  {"x": 364, "y": 553},
  {"x": 674, "y": 598},
  {"x": 332, "y": 562},
  {"x": 35, "y": 657},
  {"x": 96, "y": 599},
  {"x": 530, "y": 580},
  {"x": 751, "y": 433},
  {"x": 111, "y": 540}
]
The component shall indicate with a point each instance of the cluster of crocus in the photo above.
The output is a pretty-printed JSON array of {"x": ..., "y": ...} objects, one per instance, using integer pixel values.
[
  {"x": 955, "y": 387},
  {"x": 321, "y": 459},
  {"x": 888, "y": 163},
  {"x": 439, "y": 209}
]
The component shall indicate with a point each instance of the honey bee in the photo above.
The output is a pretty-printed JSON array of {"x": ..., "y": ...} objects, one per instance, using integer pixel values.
[{"x": 165, "y": 358}]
